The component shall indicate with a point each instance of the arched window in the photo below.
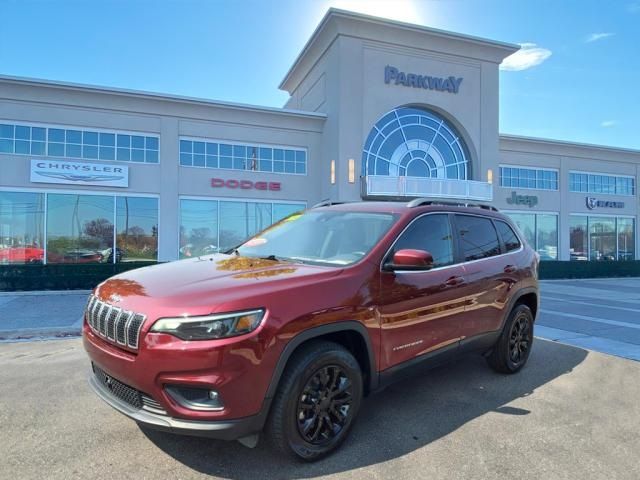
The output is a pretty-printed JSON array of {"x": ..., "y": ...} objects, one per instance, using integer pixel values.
[{"x": 414, "y": 142}]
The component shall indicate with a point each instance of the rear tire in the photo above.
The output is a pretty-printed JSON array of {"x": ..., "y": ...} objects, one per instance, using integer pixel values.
[
  {"x": 512, "y": 349},
  {"x": 317, "y": 401}
]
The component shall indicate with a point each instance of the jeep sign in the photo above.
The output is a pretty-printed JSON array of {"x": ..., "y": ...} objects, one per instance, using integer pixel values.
[{"x": 528, "y": 200}]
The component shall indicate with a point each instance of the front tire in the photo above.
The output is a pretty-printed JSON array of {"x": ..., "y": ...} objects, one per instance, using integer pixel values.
[
  {"x": 318, "y": 399},
  {"x": 512, "y": 349}
]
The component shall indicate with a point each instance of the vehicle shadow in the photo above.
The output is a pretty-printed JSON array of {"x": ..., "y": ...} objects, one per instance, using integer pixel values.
[{"x": 403, "y": 418}]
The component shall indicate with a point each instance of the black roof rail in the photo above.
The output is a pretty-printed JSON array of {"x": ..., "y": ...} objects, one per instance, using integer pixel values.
[
  {"x": 421, "y": 202},
  {"x": 327, "y": 203}
]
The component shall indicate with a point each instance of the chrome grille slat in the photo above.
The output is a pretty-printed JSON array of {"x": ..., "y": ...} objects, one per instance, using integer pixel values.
[
  {"x": 114, "y": 324},
  {"x": 113, "y": 314},
  {"x": 133, "y": 331}
]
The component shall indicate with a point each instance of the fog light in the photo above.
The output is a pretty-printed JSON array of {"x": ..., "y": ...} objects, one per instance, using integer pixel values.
[{"x": 194, "y": 398}]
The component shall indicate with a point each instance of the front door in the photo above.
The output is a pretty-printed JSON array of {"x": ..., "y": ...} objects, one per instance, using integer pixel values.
[{"x": 421, "y": 311}]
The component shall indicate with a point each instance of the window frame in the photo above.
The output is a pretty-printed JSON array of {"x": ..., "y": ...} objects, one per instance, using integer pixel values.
[
  {"x": 535, "y": 169},
  {"x": 592, "y": 177},
  {"x": 247, "y": 144},
  {"x": 82, "y": 130}
]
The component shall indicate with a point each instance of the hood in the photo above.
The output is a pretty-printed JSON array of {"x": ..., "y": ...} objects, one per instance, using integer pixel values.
[{"x": 206, "y": 284}]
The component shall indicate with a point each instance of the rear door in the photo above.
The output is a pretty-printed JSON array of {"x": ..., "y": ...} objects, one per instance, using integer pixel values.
[
  {"x": 486, "y": 273},
  {"x": 420, "y": 311}
]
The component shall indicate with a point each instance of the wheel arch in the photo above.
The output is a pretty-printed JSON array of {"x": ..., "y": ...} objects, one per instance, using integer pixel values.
[
  {"x": 350, "y": 334},
  {"x": 528, "y": 296}
]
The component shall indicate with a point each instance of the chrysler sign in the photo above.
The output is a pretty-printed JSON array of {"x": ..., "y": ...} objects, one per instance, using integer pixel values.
[
  {"x": 75, "y": 173},
  {"x": 441, "y": 84}
]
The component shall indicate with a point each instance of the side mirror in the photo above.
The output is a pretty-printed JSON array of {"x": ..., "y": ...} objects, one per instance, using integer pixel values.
[{"x": 410, "y": 259}]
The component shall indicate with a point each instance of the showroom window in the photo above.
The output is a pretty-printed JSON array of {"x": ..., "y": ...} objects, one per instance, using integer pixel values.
[
  {"x": 78, "y": 228},
  {"x": 531, "y": 178},
  {"x": 21, "y": 227},
  {"x": 540, "y": 230},
  {"x": 210, "y": 226},
  {"x": 601, "y": 238},
  {"x": 254, "y": 157},
  {"x": 78, "y": 143},
  {"x": 603, "y": 184},
  {"x": 136, "y": 229}
]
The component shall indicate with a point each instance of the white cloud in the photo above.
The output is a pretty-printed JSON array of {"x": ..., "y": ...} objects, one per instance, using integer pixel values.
[
  {"x": 594, "y": 37},
  {"x": 608, "y": 123},
  {"x": 528, "y": 56}
]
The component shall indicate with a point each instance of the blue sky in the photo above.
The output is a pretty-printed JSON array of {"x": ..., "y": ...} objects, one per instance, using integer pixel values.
[{"x": 579, "y": 80}]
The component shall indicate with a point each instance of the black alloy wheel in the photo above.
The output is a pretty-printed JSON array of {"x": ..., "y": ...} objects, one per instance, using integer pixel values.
[
  {"x": 520, "y": 338},
  {"x": 511, "y": 351},
  {"x": 323, "y": 407},
  {"x": 317, "y": 401}
]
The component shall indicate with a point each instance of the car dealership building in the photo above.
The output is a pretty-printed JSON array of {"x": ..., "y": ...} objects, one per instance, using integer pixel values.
[{"x": 378, "y": 110}]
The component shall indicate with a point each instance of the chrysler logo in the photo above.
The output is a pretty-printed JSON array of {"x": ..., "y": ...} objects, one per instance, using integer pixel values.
[{"x": 80, "y": 178}]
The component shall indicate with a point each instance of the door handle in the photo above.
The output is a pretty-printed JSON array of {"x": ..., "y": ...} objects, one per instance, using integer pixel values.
[
  {"x": 510, "y": 269},
  {"x": 453, "y": 281}
]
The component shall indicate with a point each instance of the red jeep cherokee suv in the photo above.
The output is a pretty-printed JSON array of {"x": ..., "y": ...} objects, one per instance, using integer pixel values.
[{"x": 290, "y": 330}]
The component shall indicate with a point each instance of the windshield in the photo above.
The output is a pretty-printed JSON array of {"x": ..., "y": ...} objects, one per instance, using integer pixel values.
[{"x": 320, "y": 237}]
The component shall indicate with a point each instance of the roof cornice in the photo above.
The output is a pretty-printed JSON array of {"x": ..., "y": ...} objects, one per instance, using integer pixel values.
[
  {"x": 338, "y": 22},
  {"x": 36, "y": 82}
]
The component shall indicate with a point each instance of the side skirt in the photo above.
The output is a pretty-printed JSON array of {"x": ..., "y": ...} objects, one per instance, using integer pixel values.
[{"x": 415, "y": 366}]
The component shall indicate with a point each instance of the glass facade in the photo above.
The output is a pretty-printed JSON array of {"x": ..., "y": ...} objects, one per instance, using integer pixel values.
[
  {"x": 601, "y": 238},
  {"x": 603, "y": 184},
  {"x": 210, "y": 226},
  {"x": 540, "y": 230},
  {"x": 21, "y": 227},
  {"x": 77, "y": 228},
  {"x": 259, "y": 158},
  {"x": 533, "y": 178},
  {"x": 414, "y": 142},
  {"x": 77, "y": 143}
]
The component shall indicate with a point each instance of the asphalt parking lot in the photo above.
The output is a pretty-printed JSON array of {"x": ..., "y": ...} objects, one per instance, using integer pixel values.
[{"x": 571, "y": 413}]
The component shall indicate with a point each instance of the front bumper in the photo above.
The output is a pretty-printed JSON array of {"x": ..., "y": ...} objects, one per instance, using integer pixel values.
[{"x": 222, "y": 429}]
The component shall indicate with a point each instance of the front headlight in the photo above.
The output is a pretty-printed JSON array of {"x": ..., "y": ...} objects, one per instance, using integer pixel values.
[{"x": 208, "y": 327}]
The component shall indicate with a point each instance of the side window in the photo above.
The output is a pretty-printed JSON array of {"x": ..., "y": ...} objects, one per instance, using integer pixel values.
[
  {"x": 431, "y": 233},
  {"x": 478, "y": 237},
  {"x": 509, "y": 237}
]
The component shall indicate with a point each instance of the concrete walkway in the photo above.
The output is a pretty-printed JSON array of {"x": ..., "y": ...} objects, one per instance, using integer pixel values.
[{"x": 41, "y": 314}]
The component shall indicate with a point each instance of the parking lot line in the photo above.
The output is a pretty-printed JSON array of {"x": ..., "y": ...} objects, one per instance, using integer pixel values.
[
  {"x": 592, "y": 304},
  {"x": 591, "y": 319}
]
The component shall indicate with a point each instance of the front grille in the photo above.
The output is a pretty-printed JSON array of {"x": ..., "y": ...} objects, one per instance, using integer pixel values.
[
  {"x": 113, "y": 323},
  {"x": 124, "y": 392},
  {"x": 127, "y": 394}
]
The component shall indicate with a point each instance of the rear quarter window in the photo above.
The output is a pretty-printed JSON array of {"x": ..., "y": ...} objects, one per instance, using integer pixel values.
[{"x": 509, "y": 238}]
